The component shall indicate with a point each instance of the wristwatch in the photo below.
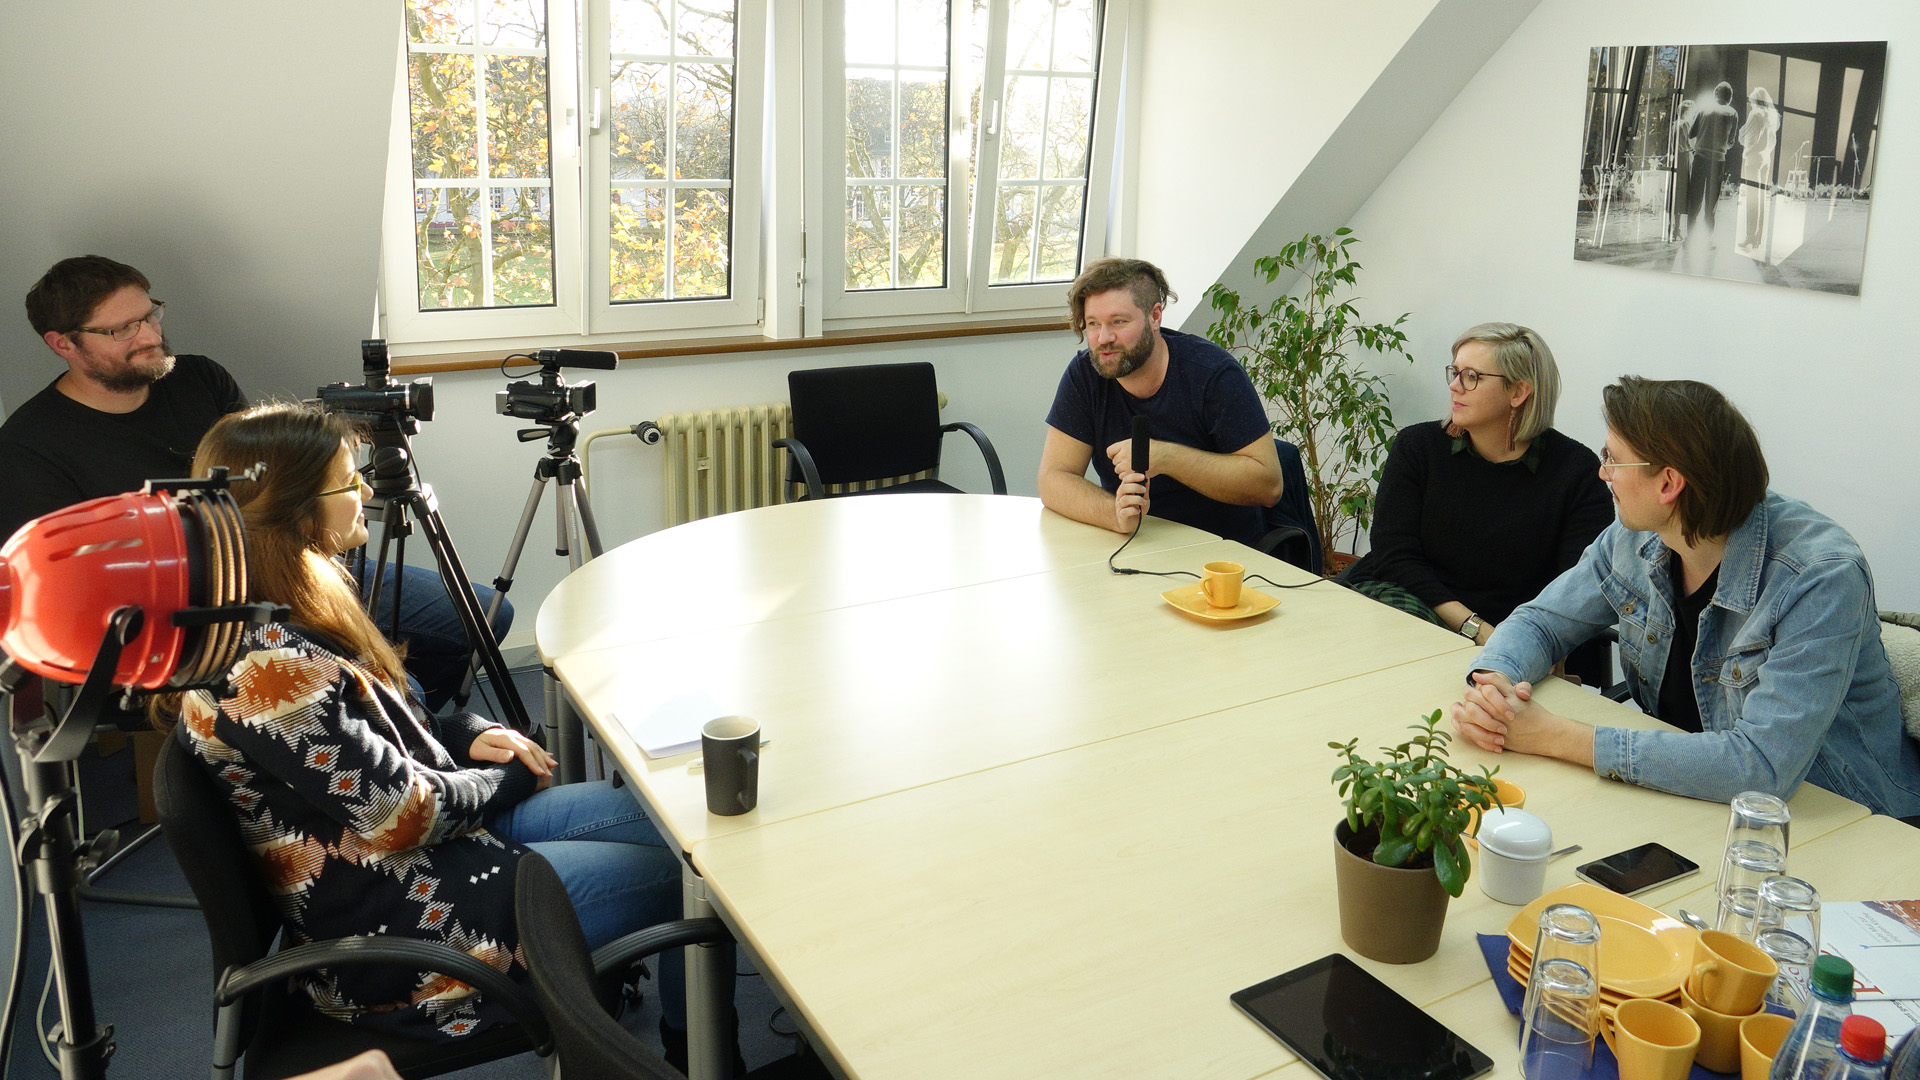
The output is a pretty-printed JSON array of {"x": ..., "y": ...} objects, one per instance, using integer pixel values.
[{"x": 1471, "y": 628}]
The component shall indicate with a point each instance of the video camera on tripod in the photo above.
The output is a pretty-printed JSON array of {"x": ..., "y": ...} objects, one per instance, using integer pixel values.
[
  {"x": 551, "y": 400},
  {"x": 379, "y": 400}
]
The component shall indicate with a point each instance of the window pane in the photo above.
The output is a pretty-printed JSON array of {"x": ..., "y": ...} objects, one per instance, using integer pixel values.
[
  {"x": 923, "y": 32},
  {"x": 440, "y": 22},
  {"x": 1025, "y": 108},
  {"x": 869, "y": 32},
  {"x": 1029, "y": 35},
  {"x": 514, "y": 24},
  {"x": 1069, "y": 126},
  {"x": 1059, "y": 234},
  {"x": 923, "y": 240},
  {"x": 522, "y": 246},
  {"x": 445, "y": 136},
  {"x": 1073, "y": 36},
  {"x": 869, "y": 237},
  {"x": 923, "y": 125},
  {"x": 638, "y": 26},
  {"x": 638, "y": 261},
  {"x": 447, "y": 247},
  {"x": 705, "y": 29},
  {"x": 702, "y": 227},
  {"x": 517, "y": 116},
  {"x": 639, "y": 121},
  {"x": 869, "y": 123},
  {"x": 1012, "y": 236},
  {"x": 703, "y": 147}
]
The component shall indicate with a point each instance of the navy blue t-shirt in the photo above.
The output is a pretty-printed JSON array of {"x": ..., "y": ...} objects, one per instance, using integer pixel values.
[{"x": 1206, "y": 402}]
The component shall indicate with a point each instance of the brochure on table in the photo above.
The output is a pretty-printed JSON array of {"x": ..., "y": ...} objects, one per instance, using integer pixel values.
[{"x": 1881, "y": 939}]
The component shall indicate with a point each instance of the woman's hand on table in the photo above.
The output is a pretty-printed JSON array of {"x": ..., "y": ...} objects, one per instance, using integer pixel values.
[
  {"x": 503, "y": 744},
  {"x": 1497, "y": 714}
]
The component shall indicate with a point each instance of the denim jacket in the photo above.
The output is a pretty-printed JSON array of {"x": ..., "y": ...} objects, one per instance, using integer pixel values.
[{"x": 1792, "y": 680}]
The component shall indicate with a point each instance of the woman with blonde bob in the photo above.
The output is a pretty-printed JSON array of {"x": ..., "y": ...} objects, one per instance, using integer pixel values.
[
  {"x": 1479, "y": 511},
  {"x": 365, "y": 814}
]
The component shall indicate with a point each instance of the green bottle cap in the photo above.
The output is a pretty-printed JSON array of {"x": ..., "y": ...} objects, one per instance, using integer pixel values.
[{"x": 1833, "y": 977}]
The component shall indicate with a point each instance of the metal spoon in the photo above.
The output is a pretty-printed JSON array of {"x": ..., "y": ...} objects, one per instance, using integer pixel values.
[{"x": 1691, "y": 919}]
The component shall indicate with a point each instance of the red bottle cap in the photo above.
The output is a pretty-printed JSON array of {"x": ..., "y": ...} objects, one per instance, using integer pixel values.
[{"x": 1863, "y": 1038}]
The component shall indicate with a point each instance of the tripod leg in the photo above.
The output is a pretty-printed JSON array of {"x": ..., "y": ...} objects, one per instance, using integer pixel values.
[
  {"x": 479, "y": 635},
  {"x": 505, "y": 581},
  {"x": 583, "y": 509}
]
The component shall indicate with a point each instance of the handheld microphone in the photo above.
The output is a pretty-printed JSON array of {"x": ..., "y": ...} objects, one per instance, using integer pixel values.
[{"x": 1142, "y": 443}]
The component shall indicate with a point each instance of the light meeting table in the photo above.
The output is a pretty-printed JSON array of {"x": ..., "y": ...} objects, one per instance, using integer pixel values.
[{"x": 1018, "y": 816}]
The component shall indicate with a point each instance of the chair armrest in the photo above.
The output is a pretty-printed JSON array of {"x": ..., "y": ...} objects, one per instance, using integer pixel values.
[
  {"x": 1278, "y": 538},
  {"x": 1618, "y": 691},
  {"x": 801, "y": 456},
  {"x": 236, "y": 982},
  {"x": 620, "y": 953},
  {"x": 995, "y": 475}
]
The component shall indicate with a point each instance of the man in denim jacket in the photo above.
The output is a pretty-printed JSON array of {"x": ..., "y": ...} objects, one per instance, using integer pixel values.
[{"x": 1746, "y": 619}]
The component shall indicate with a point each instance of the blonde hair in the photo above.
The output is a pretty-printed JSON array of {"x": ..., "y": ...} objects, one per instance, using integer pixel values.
[{"x": 1523, "y": 356}]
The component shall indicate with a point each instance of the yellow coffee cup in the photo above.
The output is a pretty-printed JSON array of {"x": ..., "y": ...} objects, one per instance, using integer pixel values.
[
  {"x": 1760, "y": 1037},
  {"x": 1652, "y": 1040},
  {"x": 1731, "y": 975},
  {"x": 1719, "y": 1032},
  {"x": 1512, "y": 796},
  {"x": 1220, "y": 583}
]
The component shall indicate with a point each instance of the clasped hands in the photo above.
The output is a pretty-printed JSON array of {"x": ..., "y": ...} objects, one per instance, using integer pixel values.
[
  {"x": 1497, "y": 714},
  {"x": 503, "y": 744},
  {"x": 1130, "y": 499}
]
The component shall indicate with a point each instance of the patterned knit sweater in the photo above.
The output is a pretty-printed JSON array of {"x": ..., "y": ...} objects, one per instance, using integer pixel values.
[{"x": 365, "y": 821}]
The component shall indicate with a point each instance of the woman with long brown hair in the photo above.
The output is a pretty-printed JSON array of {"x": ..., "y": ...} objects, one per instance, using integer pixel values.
[{"x": 367, "y": 815}]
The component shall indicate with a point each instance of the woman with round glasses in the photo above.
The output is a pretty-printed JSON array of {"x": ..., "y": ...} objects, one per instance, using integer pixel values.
[
  {"x": 366, "y": 814},
  {"x": 1478, "y": 512}
]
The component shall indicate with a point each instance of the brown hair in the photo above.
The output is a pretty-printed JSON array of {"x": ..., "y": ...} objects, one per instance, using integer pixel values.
[
  {"x": 298, "y": 444},
  {"x": 66, "y": 295},
  {"x": 1693, "y": 429},
  {"x": 1523, "y": 356},
  {"x": 1139, "y": 277}
]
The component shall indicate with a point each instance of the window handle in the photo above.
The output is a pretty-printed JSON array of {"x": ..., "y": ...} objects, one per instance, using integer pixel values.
[
  {"x": 993, "y": 118},
  {"x": 593, "y": 112}
]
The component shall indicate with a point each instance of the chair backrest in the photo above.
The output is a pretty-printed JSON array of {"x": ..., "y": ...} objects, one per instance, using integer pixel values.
[
  {"x": 588, "y": 1041},
  {"x": 1900, "y": 634},
  {"x": 1295, "y": 508},
  {"x": 201, "y": 827},
  {"x": 866, "y": 423}
]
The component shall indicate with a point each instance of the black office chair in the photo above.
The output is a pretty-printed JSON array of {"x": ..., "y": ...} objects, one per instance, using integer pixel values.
[
  {"x": 1292, "y": 534},
  {"x": 257, "y": 1014},
  {"x": 570, "y": 983},
  {"x": 857, "y": 425}
]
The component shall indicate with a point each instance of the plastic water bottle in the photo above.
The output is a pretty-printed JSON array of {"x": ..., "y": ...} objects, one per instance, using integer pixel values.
[
  {"x": 1814, "y": 1041},
  {"x": 1904, "y": 1062},
  {"x": 1863, "y": 1051}
]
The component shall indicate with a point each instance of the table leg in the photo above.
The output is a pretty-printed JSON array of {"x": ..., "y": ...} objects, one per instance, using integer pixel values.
[
  {"x": 564, "y": 739},
  {"x": 709, "y": 990}
]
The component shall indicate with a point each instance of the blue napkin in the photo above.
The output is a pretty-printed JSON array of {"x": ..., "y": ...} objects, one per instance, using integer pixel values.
[{"x": 1494, "y": 947}]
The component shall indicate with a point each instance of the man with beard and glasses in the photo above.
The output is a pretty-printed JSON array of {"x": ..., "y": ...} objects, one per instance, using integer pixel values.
[
  {"x": 1212, "y": 463},
  {"x": 127, "y": 410}
]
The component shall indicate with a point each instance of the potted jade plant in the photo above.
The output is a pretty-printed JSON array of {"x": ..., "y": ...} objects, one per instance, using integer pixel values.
[
  {"x": 1398, "y": 853},
  {"x": 1304, "y": 353}
]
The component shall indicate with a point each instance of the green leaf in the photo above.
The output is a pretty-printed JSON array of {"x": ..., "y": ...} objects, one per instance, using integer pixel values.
[
  {"x": 1394, "y": 851},
  {"x": 1450, "y": 863}
]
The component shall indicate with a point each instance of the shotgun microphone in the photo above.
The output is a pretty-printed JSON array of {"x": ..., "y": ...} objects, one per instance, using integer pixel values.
[{"x": 1142, "y": 443}]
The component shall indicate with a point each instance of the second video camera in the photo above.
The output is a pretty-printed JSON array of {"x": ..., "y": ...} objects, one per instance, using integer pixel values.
[{"x": 551, "y": 400}]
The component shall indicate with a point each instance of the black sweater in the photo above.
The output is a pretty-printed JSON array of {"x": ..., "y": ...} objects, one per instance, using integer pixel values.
[{"x": 1451, "y": 525}]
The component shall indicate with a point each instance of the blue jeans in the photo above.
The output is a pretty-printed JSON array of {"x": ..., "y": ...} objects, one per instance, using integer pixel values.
[
  {"x": 621, "y": 875},
  {"x": 437, "y": 646}
]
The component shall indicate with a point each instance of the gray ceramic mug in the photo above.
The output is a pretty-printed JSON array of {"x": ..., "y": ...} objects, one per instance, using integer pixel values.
[{"x": 730, "y": 748}]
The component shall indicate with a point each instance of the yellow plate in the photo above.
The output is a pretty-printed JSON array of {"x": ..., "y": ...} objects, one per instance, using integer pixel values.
[
  {"x": 1188, "y": 598},
  {"x": 1518, "y": 971},
  {"x": 1643, "y": 952}
]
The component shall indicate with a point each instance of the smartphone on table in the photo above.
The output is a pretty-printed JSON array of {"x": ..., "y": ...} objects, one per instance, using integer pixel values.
[
  {"x": 1636, "y": 870},
  {"x": 1349, "y": 1025}
]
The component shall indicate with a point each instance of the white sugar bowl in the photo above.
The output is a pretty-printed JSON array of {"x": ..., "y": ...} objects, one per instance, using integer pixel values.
[{"x": 1514, "y": 846}]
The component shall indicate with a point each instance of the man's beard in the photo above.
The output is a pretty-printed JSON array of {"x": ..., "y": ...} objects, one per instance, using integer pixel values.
[
  {"x": 1131, "y": 360},
  {"x": 138, "y": 375}
]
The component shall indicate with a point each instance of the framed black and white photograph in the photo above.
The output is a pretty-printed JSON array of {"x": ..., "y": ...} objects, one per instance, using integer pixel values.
[{"x": 1746, "y": 162}]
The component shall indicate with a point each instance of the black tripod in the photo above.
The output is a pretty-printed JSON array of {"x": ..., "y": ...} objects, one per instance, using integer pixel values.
[
  {"x": 401, "y": 501},
  {"x": 577, "y": 538}
]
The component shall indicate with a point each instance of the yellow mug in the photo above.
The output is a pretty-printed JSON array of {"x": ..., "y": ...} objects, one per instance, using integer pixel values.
[
  {"x": 1220, "y": 583},
  {"x": 1512, "y": 796},
  {"x": 1652, "y": 1040},
  {"x": 1731, "y": 975},
  {"x": 1760, "y": 1037},
  {"x": 1719, "y": 1032}
]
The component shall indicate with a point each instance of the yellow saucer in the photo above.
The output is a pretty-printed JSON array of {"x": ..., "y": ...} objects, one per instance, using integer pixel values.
[
  {"x": 1643, "y": 952},
  {"x": 1190, "y": 599}
]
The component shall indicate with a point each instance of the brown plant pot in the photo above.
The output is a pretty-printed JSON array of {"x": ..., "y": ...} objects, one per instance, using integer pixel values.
[
  {"x": 1387, "y": 913},
  {"x": 1333, "y": 562}
]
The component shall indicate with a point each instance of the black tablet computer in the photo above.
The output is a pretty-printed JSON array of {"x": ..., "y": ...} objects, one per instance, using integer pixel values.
[{"x": 1351, "y": 1026}]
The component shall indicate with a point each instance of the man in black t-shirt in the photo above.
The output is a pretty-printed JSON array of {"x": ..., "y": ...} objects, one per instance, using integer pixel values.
[
  {"x": 127, "y": 410},
  {"x": 1212, "y": 448}
]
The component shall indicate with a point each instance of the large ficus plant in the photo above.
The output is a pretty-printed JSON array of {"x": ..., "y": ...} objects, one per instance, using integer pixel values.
[
  {"x": 1419, "y": 801},
  {"x": 1301, "y": 352}
]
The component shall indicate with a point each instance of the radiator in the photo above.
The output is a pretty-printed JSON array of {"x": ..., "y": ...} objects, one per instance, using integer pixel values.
[{"x": 721, "y": 460}]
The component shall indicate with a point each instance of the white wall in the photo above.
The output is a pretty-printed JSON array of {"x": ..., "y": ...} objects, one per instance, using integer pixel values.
[
  {"x": 1476, "y": 223},
  {"x": 1002, "y": 383},
  {"x": 233, "y": 150}
]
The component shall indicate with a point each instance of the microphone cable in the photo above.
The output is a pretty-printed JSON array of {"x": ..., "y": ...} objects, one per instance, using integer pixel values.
[{"x": 1188, "y": 573}]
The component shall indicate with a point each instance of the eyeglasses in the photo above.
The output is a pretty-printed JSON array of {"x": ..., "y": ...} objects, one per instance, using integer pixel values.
[
  {"x": 1607, "y": 463},
  {"x": 1470, "y": 378},
  {"x": 358, "y": 483},
  {"x": 125, "y": 331}
]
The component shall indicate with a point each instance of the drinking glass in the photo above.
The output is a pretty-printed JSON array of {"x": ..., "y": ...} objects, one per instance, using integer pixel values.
[
  {"x": 1558, "y": 1021},
  {"x": 1794, "y": 955},
  {"x": 1746, "y": 865},
  {"x": 1790, "y": 904},
  {"x": 1756, "y": 815}
]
